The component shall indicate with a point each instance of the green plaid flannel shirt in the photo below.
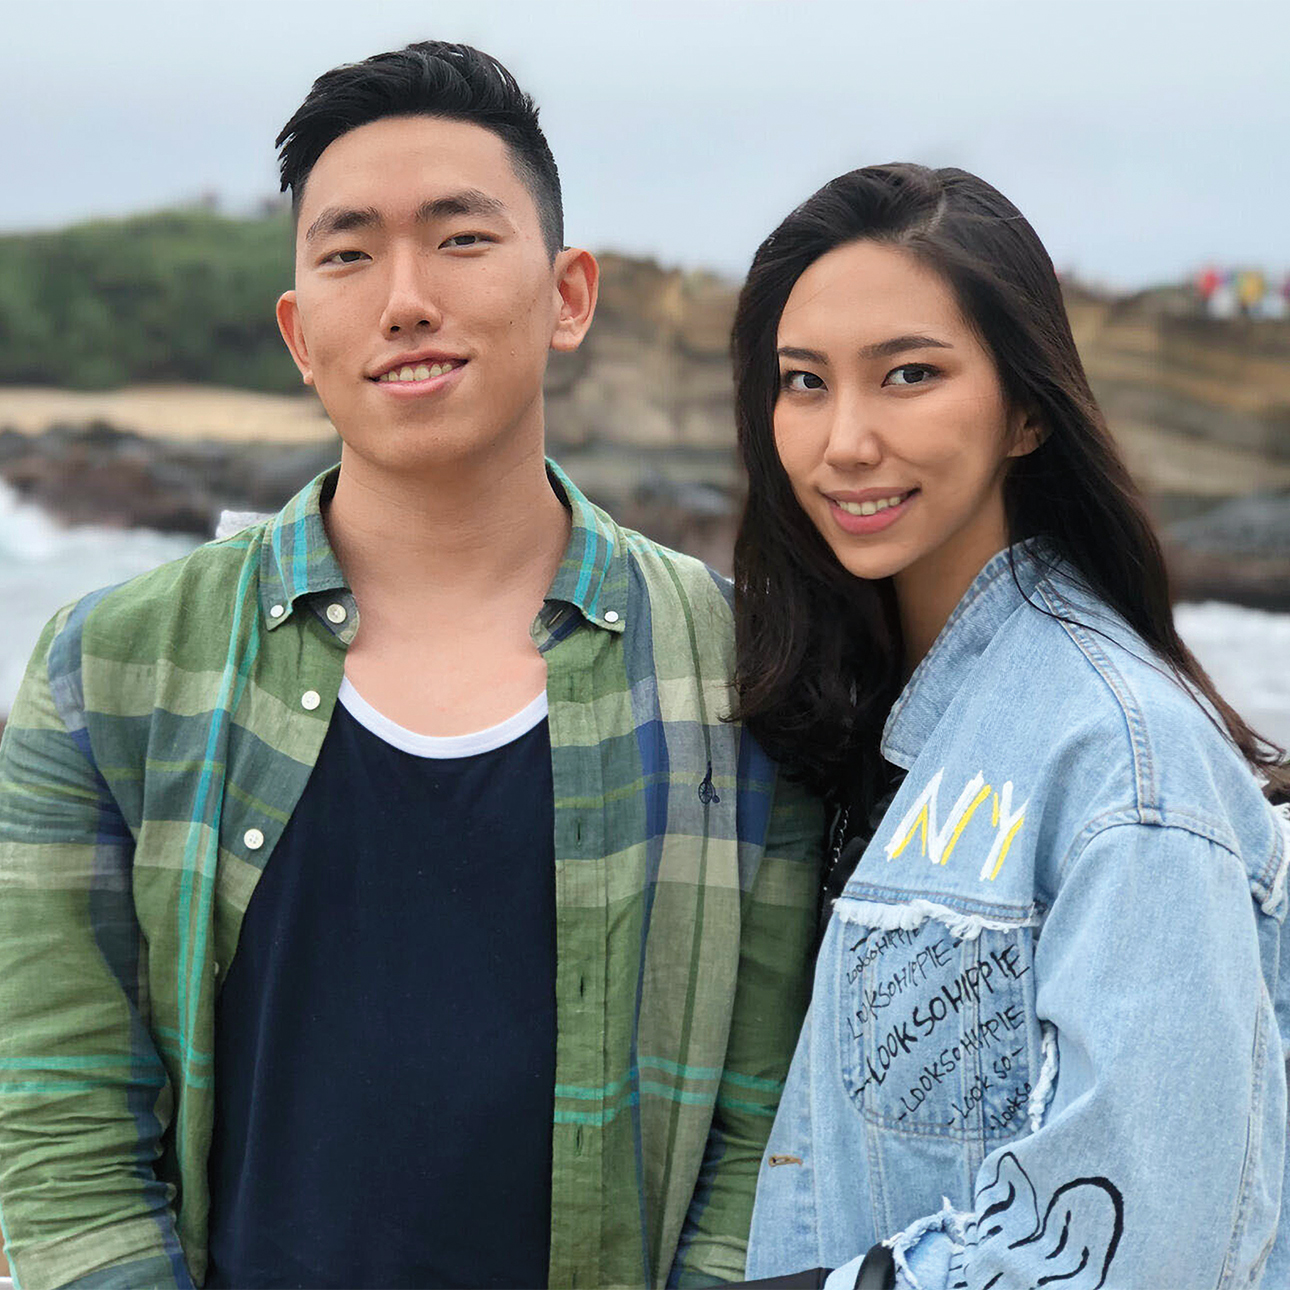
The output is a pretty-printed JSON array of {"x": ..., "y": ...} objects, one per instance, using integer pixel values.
[{"x": 161, "y": 738}]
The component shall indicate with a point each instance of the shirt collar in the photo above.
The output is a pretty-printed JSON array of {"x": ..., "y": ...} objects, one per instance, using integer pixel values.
[
  {"x": 593, "y": 574},
  {"x": 994, "y": 596},
  {"x": 297, "y": 560}
]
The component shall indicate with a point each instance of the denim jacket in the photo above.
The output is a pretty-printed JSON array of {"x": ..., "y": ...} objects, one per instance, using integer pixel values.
[{"x": 1047, "y": 1042}]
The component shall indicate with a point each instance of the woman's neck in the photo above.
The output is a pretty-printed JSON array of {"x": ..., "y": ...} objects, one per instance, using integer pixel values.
[{"x": 929, "y": 590}]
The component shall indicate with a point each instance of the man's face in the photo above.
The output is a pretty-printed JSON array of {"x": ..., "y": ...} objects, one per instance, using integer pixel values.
[{"x": 425, "y": 300}]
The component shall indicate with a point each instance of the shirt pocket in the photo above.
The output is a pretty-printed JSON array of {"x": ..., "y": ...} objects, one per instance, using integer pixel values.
[{"x": 937, "y": 1029}]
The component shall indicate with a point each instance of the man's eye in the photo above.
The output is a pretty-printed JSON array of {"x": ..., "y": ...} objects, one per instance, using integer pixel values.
[
  {"x": 801, "y": 381},
  {"x": 344, "y": 257},
  {"x": 468, "y": 239},
  {"x": 910, "y": 374}
]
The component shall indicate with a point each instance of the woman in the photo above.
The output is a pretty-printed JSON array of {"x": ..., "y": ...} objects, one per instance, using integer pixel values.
[{"x": 1042, "y": 1047}]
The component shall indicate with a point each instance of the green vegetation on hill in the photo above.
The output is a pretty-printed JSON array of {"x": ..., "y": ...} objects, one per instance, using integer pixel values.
[{"x": 183, "y": 295}]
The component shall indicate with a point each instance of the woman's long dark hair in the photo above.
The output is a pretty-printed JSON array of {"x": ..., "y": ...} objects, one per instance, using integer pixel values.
[{"x": 819, "y": 651}]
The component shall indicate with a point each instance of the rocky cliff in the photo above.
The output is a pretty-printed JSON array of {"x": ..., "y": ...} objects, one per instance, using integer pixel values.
[{"x": 641, "y": 416}]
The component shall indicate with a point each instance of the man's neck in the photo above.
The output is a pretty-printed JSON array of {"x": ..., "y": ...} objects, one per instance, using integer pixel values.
[{"x": 476, "y": 528}]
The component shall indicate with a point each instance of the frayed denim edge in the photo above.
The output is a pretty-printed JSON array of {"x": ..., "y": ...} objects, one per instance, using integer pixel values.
[
  {"x": 910, "y": 914},
  {"x": 1043, "y": 1090},
  {"x": 949, "y": 1220}
]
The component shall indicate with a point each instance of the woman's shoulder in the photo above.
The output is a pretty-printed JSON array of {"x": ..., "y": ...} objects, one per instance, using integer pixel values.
[{"x": 1118, "y": 733}]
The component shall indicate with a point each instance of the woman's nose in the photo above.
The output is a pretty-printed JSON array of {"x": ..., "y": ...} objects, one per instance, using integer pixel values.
[{"x": 854, "y": 438}]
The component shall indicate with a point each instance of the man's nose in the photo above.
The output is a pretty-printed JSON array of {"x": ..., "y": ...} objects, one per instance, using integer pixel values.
[{"x": 411, "y": 301}]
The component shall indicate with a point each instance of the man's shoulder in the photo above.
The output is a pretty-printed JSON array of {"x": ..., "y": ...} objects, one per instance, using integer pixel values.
[
  {"x": 191, "y": 595},
  {"x": 672, "y": 579}
]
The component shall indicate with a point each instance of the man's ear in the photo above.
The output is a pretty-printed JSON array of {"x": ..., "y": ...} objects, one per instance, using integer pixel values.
[
  {"x": 288, "y": 313},
  {"x": 577, "y": 284}
]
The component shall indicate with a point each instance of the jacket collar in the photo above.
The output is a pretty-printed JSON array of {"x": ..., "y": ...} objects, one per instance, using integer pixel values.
[
  {"x": 297, "y": 561},
  {"x": 1001, "y": 589}
]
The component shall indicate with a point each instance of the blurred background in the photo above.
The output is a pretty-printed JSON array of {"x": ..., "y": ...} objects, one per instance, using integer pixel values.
[{"x": 144, "y": 389}]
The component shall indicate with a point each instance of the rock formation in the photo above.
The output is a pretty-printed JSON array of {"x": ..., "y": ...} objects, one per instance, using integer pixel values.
[{"x": 641, "y": 417}]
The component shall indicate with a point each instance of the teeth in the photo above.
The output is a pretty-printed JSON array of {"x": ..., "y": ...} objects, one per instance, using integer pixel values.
[
  {"x": 418, "y": 373},
  {"x": 871, "y": 508}
]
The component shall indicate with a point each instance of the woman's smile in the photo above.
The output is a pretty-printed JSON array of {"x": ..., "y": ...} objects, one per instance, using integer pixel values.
[{"x": 858, "y": 514}]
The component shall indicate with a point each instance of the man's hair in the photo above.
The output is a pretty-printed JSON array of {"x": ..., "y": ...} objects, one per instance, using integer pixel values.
[{"x": 431, "y": 78}]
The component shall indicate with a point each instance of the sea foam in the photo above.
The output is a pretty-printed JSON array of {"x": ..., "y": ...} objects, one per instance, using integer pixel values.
[{"x": 44, "y": 565}]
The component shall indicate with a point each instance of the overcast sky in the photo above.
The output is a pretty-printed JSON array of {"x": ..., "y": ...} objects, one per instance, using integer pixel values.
[{"x": 1141, "y": 138}]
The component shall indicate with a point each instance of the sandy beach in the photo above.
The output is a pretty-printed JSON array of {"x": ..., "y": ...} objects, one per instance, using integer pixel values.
[{"x": 185, "y": 412}]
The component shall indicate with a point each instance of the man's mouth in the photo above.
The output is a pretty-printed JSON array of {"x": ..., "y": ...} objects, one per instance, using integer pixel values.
[{"x": 418, "y": 371}]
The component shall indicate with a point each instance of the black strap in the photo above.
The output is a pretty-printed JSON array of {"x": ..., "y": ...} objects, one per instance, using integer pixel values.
[
  {"x": 878, "y": 1271},
  {"x": 811, "y": 1279}
]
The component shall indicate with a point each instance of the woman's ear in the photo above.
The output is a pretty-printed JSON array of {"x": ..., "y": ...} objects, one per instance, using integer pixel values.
[{"x": 1028, "y": 432}]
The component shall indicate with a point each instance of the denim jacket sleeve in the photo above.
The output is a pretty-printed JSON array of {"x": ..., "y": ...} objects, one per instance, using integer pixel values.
[
  {"x": 779, "y": 915},
  {"x": 1159, "y": 1160},
  {"x": 84, "y": 1097}
]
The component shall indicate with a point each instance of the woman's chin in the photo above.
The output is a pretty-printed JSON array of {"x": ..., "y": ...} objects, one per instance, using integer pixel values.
[{"x": 873, "y": 562}]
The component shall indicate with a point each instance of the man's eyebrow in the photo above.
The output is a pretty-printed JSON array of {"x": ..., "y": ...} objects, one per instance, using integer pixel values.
[
  {"x": 469, "y": 201},
  {"x": 341, "y": 219}
]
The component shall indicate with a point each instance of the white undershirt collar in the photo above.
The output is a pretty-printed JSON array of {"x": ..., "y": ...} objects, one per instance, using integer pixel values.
[{"x": 441, "y": 746}]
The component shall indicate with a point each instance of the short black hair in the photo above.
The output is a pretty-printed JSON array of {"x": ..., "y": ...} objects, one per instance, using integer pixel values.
[{"x": 430, "y": 78}]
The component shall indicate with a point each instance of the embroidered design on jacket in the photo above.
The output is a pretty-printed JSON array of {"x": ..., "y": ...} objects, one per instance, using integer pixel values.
[
  {"x": 938, "y": 839},
  {"x": 1075, "y": 1240}
]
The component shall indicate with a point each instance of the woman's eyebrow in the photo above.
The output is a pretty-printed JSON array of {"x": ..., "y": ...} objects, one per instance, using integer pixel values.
[
  {"x": 879, "y": 349},
  {"x": 899, "y": 344}
]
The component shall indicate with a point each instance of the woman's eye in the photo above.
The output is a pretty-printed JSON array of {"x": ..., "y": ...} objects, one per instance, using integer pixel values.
[
  {"x": 801, "y": 381},
  {"x": 910, "y": 374},
  {"x": 344, "y": 257}
]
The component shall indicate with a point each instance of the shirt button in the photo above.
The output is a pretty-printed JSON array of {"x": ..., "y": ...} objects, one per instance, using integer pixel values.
[
  {"x": 254, "y": 839},
  {"x": 336, "y": 613},
  {"x": 309, "y": 700},
  {"x": 277, "y": 611},
  {"x": 611, "y": 616}
]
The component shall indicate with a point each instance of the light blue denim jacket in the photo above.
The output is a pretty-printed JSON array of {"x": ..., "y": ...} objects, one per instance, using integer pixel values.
[{"x": 1048, "y": 1037}]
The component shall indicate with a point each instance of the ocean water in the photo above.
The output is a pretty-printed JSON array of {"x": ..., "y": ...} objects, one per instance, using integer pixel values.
[{"x": 44, "y": 565}]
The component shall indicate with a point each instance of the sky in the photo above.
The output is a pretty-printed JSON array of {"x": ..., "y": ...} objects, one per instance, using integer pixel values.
[{"x": 1141, "y": 138}]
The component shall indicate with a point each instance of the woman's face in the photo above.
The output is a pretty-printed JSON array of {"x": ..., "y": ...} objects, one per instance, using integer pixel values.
[{"x": 890, "y": 420}]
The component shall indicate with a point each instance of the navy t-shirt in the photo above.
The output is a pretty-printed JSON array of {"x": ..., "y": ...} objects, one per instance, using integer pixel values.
[{"x": 385, "y": 1038}]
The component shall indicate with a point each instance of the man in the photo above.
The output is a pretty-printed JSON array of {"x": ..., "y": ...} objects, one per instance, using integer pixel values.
[{"x": 385, "y": 901}]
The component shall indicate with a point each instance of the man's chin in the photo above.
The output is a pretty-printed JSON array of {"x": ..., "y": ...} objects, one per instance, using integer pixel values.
[{"x": 423, "y": 450}]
